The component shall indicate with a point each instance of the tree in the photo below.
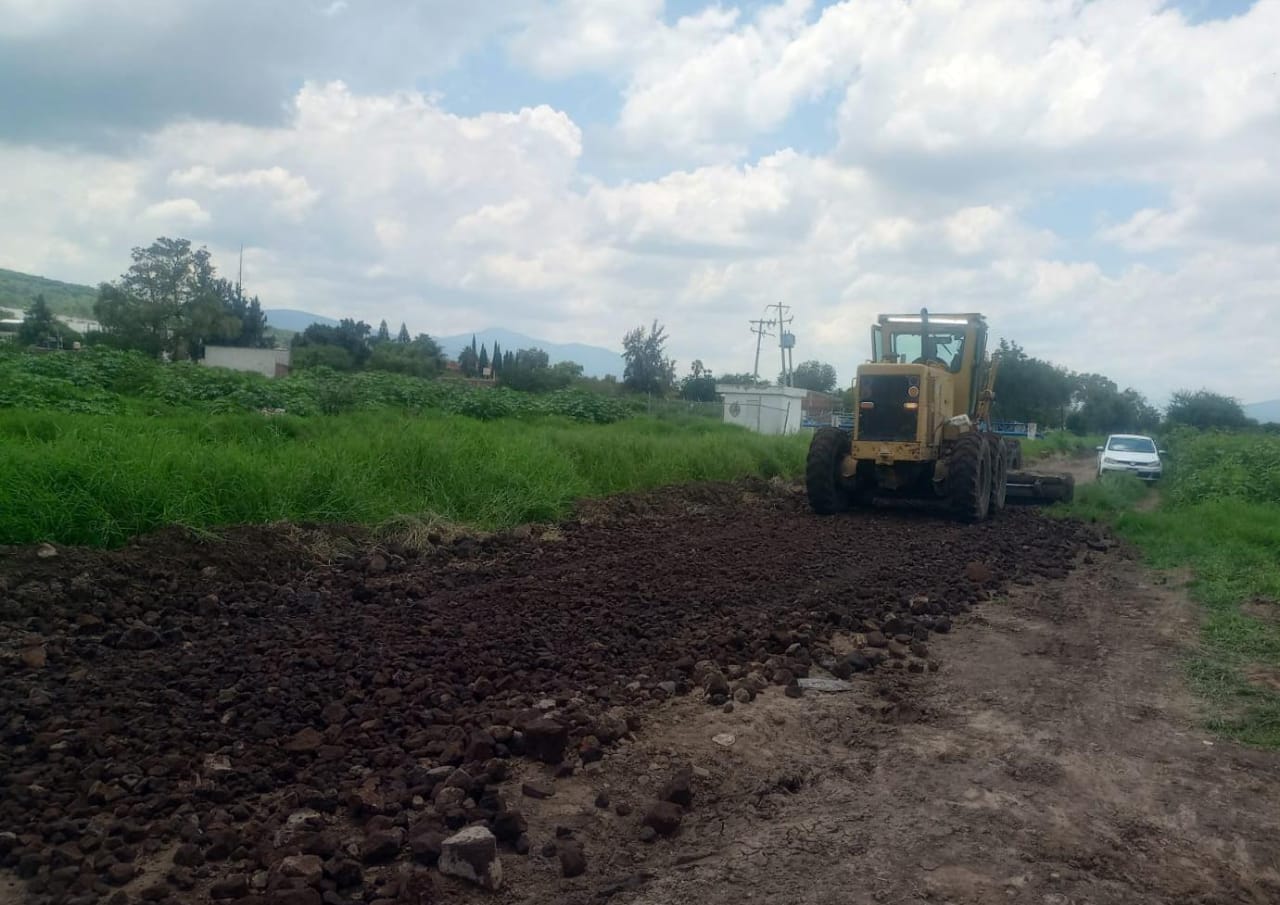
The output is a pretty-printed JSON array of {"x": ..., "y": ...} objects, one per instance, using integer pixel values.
[
  {"x": 533, "y": 359},
  {"x": 322, "y": 356},
  {"x": 1207, "y": 411},
  {"x": 39, "y": 326},
  {"x": 530, "y": 370},
  {"x": 1101, "y": 408},
  {"x": 403, "y": 336},
  {"x": 468, "y": 361},
  {"x": 483, "y": 364},
  {"x": 172, "y": 300},
  {"x": 496, "y": 363},
  {"x": 351, "y": 336},
  {"x": 508, "y": 360},
  {"x": 383, "y": 335},
  {"x": 814, "y": 375},
  {"x": 699, "y": 385},
  {"x": 743, "y": 380},
  {"x": 569, "y": 369},
  {"x": 1029, "y": 389},
  {"x": 421, "y": 357},
  {"x": 647, "y": 370},
  {"x": 253, "y": 321}
]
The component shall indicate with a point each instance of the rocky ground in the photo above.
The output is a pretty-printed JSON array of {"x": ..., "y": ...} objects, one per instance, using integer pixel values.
[{"x": 619, "y": 708}]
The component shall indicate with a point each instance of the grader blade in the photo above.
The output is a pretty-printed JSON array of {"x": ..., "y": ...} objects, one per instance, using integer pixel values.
[{"x": 1039, "y": 487}]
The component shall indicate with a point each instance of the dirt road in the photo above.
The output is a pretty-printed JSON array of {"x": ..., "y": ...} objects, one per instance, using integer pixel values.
[{"x": 184, "y": 721}]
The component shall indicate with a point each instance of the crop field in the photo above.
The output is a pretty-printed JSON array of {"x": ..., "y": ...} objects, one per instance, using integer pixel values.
[{"x": 107, "y": 382}]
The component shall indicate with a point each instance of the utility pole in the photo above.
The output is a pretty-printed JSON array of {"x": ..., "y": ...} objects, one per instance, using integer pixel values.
[
  {"x": 757, "y": 327},
  {"x": 240, "y": 276},
  {"x": 785, "y": 339}
]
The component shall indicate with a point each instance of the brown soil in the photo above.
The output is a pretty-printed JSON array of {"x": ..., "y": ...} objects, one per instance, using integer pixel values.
[{"x": 199, "y": 694}]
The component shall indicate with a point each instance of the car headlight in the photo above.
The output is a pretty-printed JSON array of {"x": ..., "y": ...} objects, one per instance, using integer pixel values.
[{"x": 1107, "y": 460}]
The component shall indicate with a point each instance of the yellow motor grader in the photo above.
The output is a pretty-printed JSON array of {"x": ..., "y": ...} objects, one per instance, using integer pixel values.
[{"x": 922, "y": 428}]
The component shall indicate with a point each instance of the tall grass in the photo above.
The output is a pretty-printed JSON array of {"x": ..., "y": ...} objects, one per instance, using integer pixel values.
[
  {"x": 1220, "y": 517},
  {"x": 1060, "y": 443},
  {"x": 85, "y": 479}
]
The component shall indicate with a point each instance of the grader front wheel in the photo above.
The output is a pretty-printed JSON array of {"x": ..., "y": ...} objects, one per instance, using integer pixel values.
[{"x": 822, "y": 479}]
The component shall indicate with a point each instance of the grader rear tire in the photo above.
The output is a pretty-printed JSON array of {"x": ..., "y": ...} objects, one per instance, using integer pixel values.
[
  {"x": 999, "y": 471},
  {"x": 969, "y": 478},
  {"x": 822, "y": 480}
]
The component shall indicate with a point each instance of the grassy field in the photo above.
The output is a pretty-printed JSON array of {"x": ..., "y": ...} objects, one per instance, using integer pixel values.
[
  {"x": 1219, "y": 516},
  {"x": 1059, "y": 443},
  {"x": 86, "y": 479}
]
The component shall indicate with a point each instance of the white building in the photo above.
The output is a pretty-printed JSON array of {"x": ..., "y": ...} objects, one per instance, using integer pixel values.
[
  {"x": 765, "y": 410},
  {"x": 267, "y": 362}
]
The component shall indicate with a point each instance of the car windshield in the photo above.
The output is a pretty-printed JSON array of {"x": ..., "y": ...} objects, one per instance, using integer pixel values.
[{"x": 1131, "y": 444}]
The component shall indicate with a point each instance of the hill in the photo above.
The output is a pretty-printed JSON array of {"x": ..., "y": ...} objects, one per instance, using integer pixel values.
[
  {"x": 595, "y": 360},
  {"x": 295, "y": 321},
  {"x": 69, "y": 299},
  {"x": 1264, "y": 412}
]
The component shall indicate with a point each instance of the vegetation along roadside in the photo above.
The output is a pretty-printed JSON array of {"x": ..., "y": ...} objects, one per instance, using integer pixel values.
[
  {"x": 83, "y": 479},
  {"x": 1218, "y": 514}
]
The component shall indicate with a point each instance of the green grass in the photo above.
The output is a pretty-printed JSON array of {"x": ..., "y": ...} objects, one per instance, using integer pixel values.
[
  {"x": 1219, "y": 517},
  {"x": 1059, "y": 442},
  {"x": 86, "y": 479}
]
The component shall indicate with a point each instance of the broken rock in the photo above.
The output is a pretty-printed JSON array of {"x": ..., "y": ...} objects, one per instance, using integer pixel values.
[
  {"x": 545, "y": 739},
  {"x": 573, "y": 861},
  {"x": 472, "y": 855},
  {"x": 679, "y": 789},
  {"x": 663, "y": 818}
]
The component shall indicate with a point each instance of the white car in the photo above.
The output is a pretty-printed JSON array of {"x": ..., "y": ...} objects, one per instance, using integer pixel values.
[{"x": 1132, "y": 453}]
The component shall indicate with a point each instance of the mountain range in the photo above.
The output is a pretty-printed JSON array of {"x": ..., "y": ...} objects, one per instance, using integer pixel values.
[{"x": 1264, "y": 412}]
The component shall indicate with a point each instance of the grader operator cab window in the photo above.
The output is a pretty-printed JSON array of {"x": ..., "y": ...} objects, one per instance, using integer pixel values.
[{"x": 906, "y": 348}]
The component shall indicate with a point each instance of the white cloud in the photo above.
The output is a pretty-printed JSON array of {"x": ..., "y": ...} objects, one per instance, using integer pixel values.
[
  {"x": 177, "y": 213},
  {"x": 951, "y": 116}
]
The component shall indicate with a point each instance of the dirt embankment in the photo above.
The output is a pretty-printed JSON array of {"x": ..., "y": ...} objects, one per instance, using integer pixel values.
[{"x": 234, "y": 720}]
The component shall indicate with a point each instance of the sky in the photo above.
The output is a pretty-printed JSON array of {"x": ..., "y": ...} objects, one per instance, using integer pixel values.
[{"x": 1100, "y": 178}]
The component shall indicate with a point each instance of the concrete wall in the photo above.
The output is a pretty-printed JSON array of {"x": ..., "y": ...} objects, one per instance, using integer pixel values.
[{"x": 267, "y": 362}]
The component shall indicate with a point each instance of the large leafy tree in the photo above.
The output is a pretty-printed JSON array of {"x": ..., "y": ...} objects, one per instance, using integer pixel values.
[
  {"x": 647, "y": 368},
  {"x": 172, "y": 300},
  {"x": 814, "y": 375},
  {"x": 1029, "y": 389},
  {"x": 350, "y": 337},
  {"x": 531, "y": 370},
  {"x": 421, "y": 357},
  {"x": 1207, "y": 410}
]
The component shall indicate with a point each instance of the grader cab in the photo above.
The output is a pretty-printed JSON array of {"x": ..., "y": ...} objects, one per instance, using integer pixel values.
[{"x": 922, "y": 428}]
